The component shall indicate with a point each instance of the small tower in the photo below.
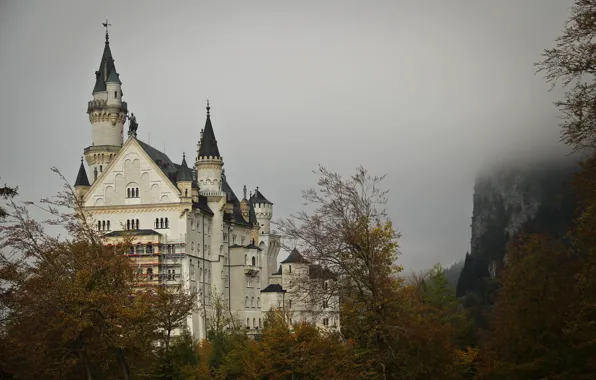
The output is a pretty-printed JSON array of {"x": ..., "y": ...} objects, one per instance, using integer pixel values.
[
  {"x": 107, "y": 114},
  {"x": 263, "y": 210},
  {"x": 82, "y": 182},
  {"x": 184, "y": 180},
  {"x": 209, "y": 163}
]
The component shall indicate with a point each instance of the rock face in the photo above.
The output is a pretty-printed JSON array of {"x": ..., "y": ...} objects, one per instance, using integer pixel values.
[{"x": 510, "y": 199}]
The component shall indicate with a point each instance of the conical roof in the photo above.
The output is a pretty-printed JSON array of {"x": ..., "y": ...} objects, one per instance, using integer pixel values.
[
  {"x": 184, "y": 173},
  {"x": 106, "y": 67},
  {"x": 82, "y": 179},
  {"x": 208, "y": 142},
  {"x": 258, "y": 197},
  {"x": 295, "y": 257}
]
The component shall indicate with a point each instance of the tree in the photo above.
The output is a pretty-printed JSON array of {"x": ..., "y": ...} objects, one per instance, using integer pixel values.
[
  {"x": 528, "y": 338},
  {"x": 573, "y": 62}
]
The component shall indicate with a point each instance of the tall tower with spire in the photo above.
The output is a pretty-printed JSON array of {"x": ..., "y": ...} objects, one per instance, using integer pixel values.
[
  {"x": 209, "y": 163},
  {"x": 107, "y": 114}
]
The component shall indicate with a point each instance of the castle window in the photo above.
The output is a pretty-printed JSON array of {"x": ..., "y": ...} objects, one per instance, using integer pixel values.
[
  {"x": 246, "y": 302},
  {"x": 254, "y": 323},
  {"x": 254, "y": 261},
  {"x": 99, "y": 226},
  {"x": 259, "y": 304},
  {"x": 290, "y": 269},
  {"x": 161, "y": 222},
  {"x": 95, "y": 174},
  {"x": 139, "y": 248},
  {"x": 137, "y": 224},
  {"x": 128, "y": 224},
  {"x": 169, "y": 275},
  {"x": 137, "y": 195},
  {"x": 173, "y": 274},
  {"x": 156, "y": 222},
  {"x": 290, "y": 304},
  {"x": 325, "y": 304},
  {"x": 325, "y": 285},
  {"x": 100, "y": 168},
  {"x": 150, "y": 248},
  {"x": 252, "y": 302},
  {"x": 259, "y": 322},
  {"x": 108, "y": 225},
  {"x": 247, "y": 323},
  {"x": 166, "y": 222},
  {"x": 116, "y": 94},
  {"x": 103, "y": 225}
]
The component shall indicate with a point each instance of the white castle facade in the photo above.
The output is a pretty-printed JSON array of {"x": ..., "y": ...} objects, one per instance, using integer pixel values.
[{"x": 188, "y": 227}]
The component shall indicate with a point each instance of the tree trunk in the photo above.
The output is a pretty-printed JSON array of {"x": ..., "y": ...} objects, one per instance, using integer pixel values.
[{"x": 123, "y": 364}]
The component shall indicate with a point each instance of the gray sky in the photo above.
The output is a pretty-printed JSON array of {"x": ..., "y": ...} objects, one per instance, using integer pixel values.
[{"x": 424, "y": 91}]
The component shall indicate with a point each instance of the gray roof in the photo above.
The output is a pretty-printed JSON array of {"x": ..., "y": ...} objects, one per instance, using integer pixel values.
[
  {"x": 208, "y": 142},
  {"x": 295, "y": 257},
  {"x": 82, "y": 179},
  {"x": 114, "y": 77},
  {"x": 273, "y": 288},
  {"x": 258, "y": 197},
  {"x": 133, "y": 233},
  {"x": 252, "y": 217},
  {"x": 184, "y": 173},
  {"x": 106, "y": 66}
]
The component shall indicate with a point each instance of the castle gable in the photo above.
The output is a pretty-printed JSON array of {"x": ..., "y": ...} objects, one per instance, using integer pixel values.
[{"x": 133, "y": 178}]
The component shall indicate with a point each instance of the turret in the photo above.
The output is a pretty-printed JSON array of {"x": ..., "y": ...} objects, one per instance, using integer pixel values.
[
  {"x": 82, "y": 184},
  {"x": 209, "y": 163},
  {"x": 184, "y": 179},
  {"x": 263, "y": 209},
  {"x": 107, "y": 114}
]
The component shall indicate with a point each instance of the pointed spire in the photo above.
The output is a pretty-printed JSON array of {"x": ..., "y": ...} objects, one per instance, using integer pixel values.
[
  {"x": 184, "y": 173},
  {"x": 252, "y": 217},
  {"x": 82, "y": 179},
  {"x": 257, "y": 197},
  {"x": 244, "y": 190},
  {"x": 208, "y": 146},
  {"x": 106, "y": 65}
]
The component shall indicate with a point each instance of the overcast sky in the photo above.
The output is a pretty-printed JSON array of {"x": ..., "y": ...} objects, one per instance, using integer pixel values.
[{"x": 424, "y": 91}]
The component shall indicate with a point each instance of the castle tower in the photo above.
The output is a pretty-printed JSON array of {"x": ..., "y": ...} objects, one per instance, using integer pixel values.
[
  {"x": 107, "y": 114},
  {"x": 263, "y": 210},
  {"x": 184, "y": 180},
  {"x": 209, "y": 163},
  {"x": 82, "y": 184}
]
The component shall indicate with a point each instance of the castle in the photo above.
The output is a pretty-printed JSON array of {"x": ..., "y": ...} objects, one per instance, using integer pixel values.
[{"x": 188, "y": 226}]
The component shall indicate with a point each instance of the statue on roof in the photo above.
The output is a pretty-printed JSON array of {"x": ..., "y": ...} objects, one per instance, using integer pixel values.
[{"x": 133, "y": 125}]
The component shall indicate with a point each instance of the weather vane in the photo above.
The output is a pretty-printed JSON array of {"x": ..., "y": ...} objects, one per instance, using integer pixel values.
[{"x": 105, "y": 25}]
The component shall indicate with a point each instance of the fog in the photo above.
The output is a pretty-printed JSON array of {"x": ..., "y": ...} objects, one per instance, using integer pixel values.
[{"x": 424, "y": 91}]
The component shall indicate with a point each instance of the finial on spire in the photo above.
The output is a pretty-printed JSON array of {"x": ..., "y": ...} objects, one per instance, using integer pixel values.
[
  {"x": 81, "y": 159},
  {"x": 105, "y": 25},
  {"x": 208, "y": 108},
  {"x": 244, "y": 190},
  {"x": 183, "y": 155}
]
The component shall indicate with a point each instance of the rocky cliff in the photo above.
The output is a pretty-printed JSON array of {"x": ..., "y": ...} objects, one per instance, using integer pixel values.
[{"x": 511, "y": 198}]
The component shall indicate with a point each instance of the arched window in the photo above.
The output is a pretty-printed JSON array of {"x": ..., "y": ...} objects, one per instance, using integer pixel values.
[
  {"x": 258, "y": 301},
  {"x": 108, "y": 225},
  {"x": 246, "y": 302},
  {"x": 139, "y": 248},
  {"x": 100, "y": 168},
  {"x": 156, "y": 222},
  {"x": 247, "y": 323},
  {"x": 103, "y": 225},
  {"x": 137, "y": 192},
  {"x": 128, "y": 224},
  {"x": 290, "y": 268},
  {"x": 245, "y": 259},
  {"x": 161, "y": 222},
  {"x": 254, "y": 322},
  {"x": 94, "y": 174},
  {"x": 166, "y": 222},
  {"x": 186, "y": 192},
  {"x": 137, "y": 224},
  {"x": 259, "y": 322},
  {"x": 149, "y": 248},
  {"x": 128, "y": 193},
  {"x": 325, "y": 285},
  {"x": 99, "y": 226},
  {"x": 254, "y": 261},
  {"x": 252, "y": 302}
]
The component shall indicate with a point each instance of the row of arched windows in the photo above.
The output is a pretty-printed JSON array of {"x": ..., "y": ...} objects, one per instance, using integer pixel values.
[
  {"x": 101, "y": 158},
  {"x": 132, "y": 192},
  {"x": 161, "y": 223},
  {"x": 254, "y": 323},
  {"x": 248, "y": 304},
  {"x": 103, "y": 225},
  {"x": 132, "y": 224}
]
